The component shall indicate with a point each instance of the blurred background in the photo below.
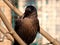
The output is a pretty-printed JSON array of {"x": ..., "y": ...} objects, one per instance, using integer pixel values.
[{"x": 48, "y": 15}]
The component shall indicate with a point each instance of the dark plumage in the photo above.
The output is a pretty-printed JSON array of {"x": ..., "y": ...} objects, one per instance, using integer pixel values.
[{"x": 28, "y": 26}]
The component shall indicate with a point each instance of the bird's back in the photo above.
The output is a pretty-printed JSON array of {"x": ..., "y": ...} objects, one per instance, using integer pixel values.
[{"x": 27, "y": 29}]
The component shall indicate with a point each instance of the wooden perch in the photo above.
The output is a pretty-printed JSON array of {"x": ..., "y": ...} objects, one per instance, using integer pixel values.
[
  {"x": 6, "y": 33},
  {"x": 48, "y": 37},
  {"x": 45, "y": 34},
  {"x": 13, "y": 8},
  {"x": 11, "y": 30}
]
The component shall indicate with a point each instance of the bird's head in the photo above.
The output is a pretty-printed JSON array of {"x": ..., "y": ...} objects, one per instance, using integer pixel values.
[{"x": 29, "y": 10}]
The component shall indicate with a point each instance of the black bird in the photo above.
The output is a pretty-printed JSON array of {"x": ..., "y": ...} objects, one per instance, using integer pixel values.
[{"x": 27, "y": 26}]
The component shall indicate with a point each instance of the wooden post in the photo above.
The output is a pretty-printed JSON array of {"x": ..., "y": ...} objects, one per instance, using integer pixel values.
[
  {"x": 45, "y": 34},
  {"x": 11, "y": 30},
  {"x": 6, "y": 33}
]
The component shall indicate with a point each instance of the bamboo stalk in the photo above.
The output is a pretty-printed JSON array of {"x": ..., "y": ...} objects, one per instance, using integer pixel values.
[
  {"x": 18, "y": 12},
  {"x": 11, "y": 30},
  {"x": 9, "y": 37},
  {"x": 45, "y": 34},
  {"x": 48, "y": 37}
]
